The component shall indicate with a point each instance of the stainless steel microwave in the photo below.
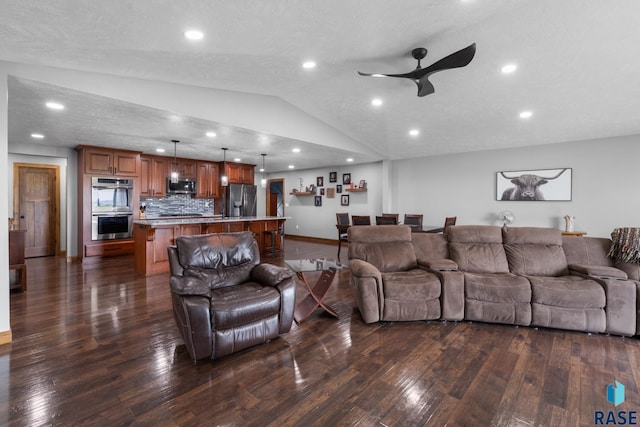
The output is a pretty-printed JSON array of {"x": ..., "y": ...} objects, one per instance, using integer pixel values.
[{"x": 182, "y": 186}]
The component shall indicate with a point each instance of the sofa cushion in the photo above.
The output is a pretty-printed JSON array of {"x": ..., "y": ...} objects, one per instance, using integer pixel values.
[
  {"x": 215, "y": 251},
  {"x": 477, "y": 249},
  {"x": 249, "y": 302},
  {"x": 410, "y": 285},
  {"x": 568, "y": 291},
  {"x": 535, "y": 251},
  {"x": 503, "y": 287}
]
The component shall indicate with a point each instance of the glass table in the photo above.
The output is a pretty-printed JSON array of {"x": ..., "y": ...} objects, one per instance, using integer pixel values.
[{"x": 318, "y": 292}]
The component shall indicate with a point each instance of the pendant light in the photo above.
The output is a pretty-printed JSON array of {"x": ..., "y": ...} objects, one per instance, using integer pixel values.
[
  {"x": 263, "y": 181},
  {"x": 224, "y": 179},
  {"x": 174, "y": 169}
]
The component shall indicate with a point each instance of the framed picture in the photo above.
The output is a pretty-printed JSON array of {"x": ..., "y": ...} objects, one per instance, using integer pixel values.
[
  {"x": 362, "y": 184},
  {"x": 320, "y": 181},
  {"x": 333, "y": 176},
  {"x": 318, "y": 201},
  {"x": 331, "y": 193},
  {"x": 338, "y": 188},
  {"x": 322, "y": 191},
  {"x": 534, "y": 185},
  {"x": 346, "y": 178},
  {"x": 344, "y": 200}
]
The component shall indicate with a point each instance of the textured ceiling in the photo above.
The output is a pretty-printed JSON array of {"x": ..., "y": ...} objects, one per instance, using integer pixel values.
[{"x": 577, "y": 72}]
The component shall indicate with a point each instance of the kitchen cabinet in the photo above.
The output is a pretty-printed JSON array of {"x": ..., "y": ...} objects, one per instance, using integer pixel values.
[
  {"x": 240, "y": 173},
  {"x": 208, "y": 180},
  {"x": 186, "y": 168},
  {"x": 110, "y": 162},
  {"x": 153, "y": 174}
]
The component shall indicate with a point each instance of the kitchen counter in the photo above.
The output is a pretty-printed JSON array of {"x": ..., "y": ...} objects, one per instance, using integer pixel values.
[{"x": 153, "y": 235}]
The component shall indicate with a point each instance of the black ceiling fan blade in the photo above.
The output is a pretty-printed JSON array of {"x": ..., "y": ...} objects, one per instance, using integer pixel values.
[
  {"x": 457, "y": 59},
  {"x": 410, "y": 75}
]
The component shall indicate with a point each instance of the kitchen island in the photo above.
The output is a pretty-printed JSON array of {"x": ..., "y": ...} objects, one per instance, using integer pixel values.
[{"x": 152, "y": 236}]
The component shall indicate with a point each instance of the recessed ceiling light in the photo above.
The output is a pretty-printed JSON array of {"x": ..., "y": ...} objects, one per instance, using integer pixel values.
[
  {"x": 37, "y": 135},
  {"x": 309, "y": 65},
  {"x": 509, "y": 68},
  {"x": 291, "y": 166},
  {"x": 526, "y": 114},
  {"x": 194, "y": 34},
  {"x": 296, "y": 150},
  {"x": 261, "y": 169},
  {"x": 237, "y": 159},
  {"x": 159, "y": 150},
  {"x": 350, "y": 159},
  {"x": 55, "y": 105},
  {"x": 211, "y": 134},
  {"x": 414, "y": 132},
  {"x": 376, "y": 102}
]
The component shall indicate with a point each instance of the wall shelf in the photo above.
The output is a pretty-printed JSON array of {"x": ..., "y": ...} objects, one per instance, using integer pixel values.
[
  {"x": 303, "y": 193},
  {"x": 356, "y": 190}
]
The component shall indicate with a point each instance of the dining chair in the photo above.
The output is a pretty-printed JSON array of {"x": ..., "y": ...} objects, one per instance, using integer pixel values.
[
  {"x": 449, "y": 221},
  {"x": 342, "y": 224},
  {"x": 386, "y": 220},
  {"x": 392, "y": 215},
  {"x": 414, "y": 221},
  {"x": 360, "y": 219}
]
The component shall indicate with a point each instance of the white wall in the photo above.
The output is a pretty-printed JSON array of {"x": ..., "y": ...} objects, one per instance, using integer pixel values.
[
  {"x": 605, "y": 178},
  {"x": 5, "y": 324},
  {"x": 306, "y": 219}
]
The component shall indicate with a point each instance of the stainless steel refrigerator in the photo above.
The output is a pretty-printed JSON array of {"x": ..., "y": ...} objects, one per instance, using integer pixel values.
[{"x": 241, "y": 200}]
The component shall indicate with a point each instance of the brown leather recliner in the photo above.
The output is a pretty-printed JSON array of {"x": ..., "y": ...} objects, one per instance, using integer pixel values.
[{"x": 224, "y": 300}]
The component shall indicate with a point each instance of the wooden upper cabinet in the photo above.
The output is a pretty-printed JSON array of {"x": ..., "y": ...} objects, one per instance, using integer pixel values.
[
  {"x": 153, "y": 173},
  {"x": 187, "y": 169},
  {"x": 111, "y": 162},
  {"x": 240, "y": 173},
  {"x": 208, "y": 180}
]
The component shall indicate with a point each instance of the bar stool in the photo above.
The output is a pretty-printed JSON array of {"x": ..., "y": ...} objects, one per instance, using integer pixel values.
[{"x": 271, "y": 236}]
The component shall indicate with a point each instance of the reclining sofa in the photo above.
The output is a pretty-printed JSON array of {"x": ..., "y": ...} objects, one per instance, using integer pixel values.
[{"x": 525, "y": 276}]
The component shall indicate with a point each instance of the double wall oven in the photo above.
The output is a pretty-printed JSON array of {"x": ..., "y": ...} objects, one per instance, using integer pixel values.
[{"x": 111, "y": 208}]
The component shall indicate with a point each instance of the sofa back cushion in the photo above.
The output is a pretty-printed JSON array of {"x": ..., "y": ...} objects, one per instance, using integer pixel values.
[
  {"x": 587, "y": 250},
  {"x": 477, "y": 248},
  {"x": 535, "y": 251},
  {"x": 387, "y": 247},
  {"x": 221, "y": 259},
  {"x": 429, "y": 246}
]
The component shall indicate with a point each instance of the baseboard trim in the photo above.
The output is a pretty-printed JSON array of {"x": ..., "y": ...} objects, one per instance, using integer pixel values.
[
  {"x": 312, "y": 239},
  {"x": 5, "y": 337}
]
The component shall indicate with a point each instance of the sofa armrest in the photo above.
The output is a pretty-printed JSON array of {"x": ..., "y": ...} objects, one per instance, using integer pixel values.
[
  {"x": 287, "y": 289},
  {"x": 442, "y": 264},
  {"x": 189, "y": 285},
  {"x": 366, "y": 282},
  {"x": 632, "y": 269},
  {"x": 598, "y": 271},
  {"x": 269, "y": 274}
]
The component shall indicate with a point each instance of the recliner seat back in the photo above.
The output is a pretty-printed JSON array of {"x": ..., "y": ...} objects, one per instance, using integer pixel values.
[
  {"x": 534, "y": 251},
  {"x": 477, "y": 248},
  {"x": 387, "y": 247}
]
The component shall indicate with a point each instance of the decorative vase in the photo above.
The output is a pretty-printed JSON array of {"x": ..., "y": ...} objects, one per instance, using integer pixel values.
[{"x": 569, "y": 223}]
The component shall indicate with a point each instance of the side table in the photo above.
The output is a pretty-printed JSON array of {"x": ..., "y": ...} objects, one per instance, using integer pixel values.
[{"x": 318, "y": 292}]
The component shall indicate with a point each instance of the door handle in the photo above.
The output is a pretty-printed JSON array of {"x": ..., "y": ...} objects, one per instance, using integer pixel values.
[{"x": 21, "y": 216}]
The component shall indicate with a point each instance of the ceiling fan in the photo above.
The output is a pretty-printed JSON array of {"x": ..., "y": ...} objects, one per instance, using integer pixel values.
[{"x": 421, "y": 75}]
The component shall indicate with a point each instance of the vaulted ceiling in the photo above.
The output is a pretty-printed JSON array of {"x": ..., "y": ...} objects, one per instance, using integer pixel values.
[{"x": 576, "y": 73}]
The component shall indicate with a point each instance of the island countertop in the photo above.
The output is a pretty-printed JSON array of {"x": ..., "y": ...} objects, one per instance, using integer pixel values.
[
  {"x": 151, "y": 236},
  {"x": 162, "y": 221}
]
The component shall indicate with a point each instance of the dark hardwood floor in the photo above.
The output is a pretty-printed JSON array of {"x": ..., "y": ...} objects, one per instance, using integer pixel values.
[{"x": 97, "y": 345}]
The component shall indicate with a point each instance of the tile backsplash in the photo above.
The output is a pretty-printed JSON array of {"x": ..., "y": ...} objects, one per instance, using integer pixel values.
[{"x": 176, "y": 204}]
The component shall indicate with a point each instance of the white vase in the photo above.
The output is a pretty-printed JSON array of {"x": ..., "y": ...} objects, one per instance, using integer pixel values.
[{"x": 569, "y": 222}]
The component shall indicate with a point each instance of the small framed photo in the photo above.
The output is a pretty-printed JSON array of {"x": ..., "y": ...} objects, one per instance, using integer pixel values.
[
  {"x": 322, "y": 191},
  {"x": 363, "y": 184},
  {"x": 338, "y": 188},
  {"x": 320, "y": 181},
  {"x": 344, "y": 200},
  {"x": 318, "y": 201},
  {"x": 346, "y": 178},
  {"x": 333, "y": 176}
]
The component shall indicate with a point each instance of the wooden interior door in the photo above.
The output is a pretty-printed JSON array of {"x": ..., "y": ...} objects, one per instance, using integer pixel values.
[
  {"x": 36, "y": 193},
  {"x": 275, "y": 197}
]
